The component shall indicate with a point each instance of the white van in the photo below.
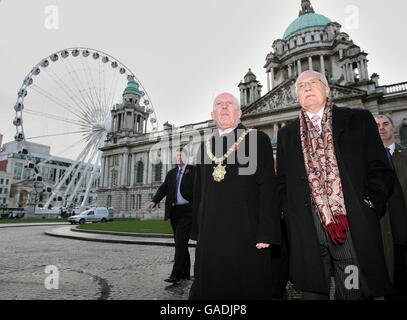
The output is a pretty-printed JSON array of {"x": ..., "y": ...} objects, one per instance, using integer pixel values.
[{"x": 97, "y": 214}]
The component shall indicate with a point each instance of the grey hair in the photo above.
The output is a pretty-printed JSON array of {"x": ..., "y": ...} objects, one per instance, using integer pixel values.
[
  {"x": 234, "y": 98},
  {"x": 386, "y": 116},
  {"x": 320, "y": 75}
]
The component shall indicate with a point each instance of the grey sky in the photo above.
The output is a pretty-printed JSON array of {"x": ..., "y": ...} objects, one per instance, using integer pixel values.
[{"x": 185, "y": 52}]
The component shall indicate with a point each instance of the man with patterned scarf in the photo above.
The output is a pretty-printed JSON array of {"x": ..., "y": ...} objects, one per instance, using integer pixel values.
[{"x": 334, "y": 180}]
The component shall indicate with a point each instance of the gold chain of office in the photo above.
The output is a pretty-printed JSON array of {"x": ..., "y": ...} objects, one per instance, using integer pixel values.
[{"x": 219, "y": 171}]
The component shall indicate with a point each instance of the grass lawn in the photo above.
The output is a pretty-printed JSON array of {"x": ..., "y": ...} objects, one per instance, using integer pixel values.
[{"x": 131, "y": 225}]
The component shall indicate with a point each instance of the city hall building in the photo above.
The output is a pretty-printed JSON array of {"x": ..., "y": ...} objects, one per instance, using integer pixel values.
[{"x": 135, "y": 163}]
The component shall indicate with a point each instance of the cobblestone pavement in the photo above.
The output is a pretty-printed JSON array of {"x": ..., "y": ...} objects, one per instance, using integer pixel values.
[{"x": 87, "y": 270}]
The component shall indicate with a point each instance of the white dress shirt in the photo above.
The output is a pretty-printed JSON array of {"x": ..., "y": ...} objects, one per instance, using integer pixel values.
[{"x": 392, "y": 148}]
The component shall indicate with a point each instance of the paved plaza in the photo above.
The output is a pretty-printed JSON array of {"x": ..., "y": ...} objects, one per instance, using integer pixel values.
[{"x": 87, "y": 270}]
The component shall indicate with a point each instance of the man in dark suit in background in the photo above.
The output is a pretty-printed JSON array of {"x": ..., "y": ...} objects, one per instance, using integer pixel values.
[
  {"x": 334, "y": 181},
  {"x": 397, "y": 205},
  {"x": 178, "y": 190}
]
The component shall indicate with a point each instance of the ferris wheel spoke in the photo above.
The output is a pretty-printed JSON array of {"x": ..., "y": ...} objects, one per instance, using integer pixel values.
[
  {"x": 112, "y": 90},
  {"x": 78, "y": 83},
  {"x": 88, "y": 72},
  {"x": 56, "y": 134},
  {"x": 66, "y": 106},
  {"x": 65, "y": 88},
  {"x": 51, "y": 116},
  {"x": 95, "y": 111},
  {"x": 83, "y": 109}
]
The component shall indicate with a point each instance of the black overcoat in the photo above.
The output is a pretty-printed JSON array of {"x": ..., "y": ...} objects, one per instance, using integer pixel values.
[
  {"x": 230, "y": 217},
  {"x": 364, "y": 171}
]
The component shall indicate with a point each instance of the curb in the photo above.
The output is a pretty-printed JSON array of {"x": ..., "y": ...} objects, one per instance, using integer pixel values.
[
  {"x": 129, "y": 234},
  {"x": 98, "y": 237},
  {"x": 33, "y": 224}
]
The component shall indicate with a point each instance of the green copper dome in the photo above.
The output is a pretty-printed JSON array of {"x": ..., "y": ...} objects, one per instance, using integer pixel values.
[
  {"x": 132, "y": 87},
  {"x": 306, "y": 22}
]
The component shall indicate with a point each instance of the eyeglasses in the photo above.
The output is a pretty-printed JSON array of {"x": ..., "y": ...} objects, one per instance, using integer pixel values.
[{"x": 312, "y": 83}]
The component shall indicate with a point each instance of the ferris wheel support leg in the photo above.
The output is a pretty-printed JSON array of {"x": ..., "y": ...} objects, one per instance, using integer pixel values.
[
  {"x": 49, "y": 200},
  {"x": 91, "y": 179},
  {"x": 83, "y": 175}
]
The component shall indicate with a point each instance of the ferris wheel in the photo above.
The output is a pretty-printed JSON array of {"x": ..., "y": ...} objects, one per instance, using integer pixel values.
[{"x": 64, "y": 103}]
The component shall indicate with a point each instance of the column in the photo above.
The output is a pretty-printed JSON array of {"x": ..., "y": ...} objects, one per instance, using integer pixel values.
[
  {"x": 102, "y": 171},
  {"x": 141, "y": 128},
  {"x": 124, "y": 163},
  {"x": 310, "y": 63},
  {"x": 106, "y": 172},
  {"x": 275, "y": 130},
  {"x": 150, "y": 169},
  {"x": 169, "y": 157},
  {"x": 348, "y": 72},
  {"x": 164, "y": 161},
  {"x": 132, "y": 169},
  {"x": 366, "y": 69},
  {"x": 268, "y": 81},
  {"x": 289, "y": 71},
  {"x": 362, "y": 70},
  {"x": 145, "y": 168},
  {"x": 322, "y": 64},
  {"x": 299, "y": 66},
  {"x": 273, "y": 82},
  {"x": 351, "y": 74},
  {"x": 345, "y": 76}
]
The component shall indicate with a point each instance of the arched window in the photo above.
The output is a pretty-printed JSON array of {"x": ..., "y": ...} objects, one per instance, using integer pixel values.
[
  {"x": 403, "y": 136},
  {"x": 139, "y": 172}
]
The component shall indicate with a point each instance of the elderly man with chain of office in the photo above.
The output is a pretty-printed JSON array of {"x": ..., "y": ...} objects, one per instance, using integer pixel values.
[
  {"x": 334, "y": 181},
  {"x": 234, "y": 221}
]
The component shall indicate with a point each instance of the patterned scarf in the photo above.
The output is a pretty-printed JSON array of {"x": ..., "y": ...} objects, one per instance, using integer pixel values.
[{"x": 323, "y": 174}]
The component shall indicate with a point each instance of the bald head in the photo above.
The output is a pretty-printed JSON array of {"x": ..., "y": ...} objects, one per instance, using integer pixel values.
[
  {"x": 226, "y": 111},
  {"x": 228, "y": 96}
]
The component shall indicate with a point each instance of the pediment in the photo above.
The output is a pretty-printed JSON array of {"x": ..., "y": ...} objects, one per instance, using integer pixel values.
[{"x": 284, "y": 96}]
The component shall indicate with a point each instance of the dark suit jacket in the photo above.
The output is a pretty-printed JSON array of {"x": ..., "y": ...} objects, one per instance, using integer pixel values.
[
  {"x": 167, "y": 189},
  {"x": 397, "y": 202},
  {"x": 364, "y": 171}
]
